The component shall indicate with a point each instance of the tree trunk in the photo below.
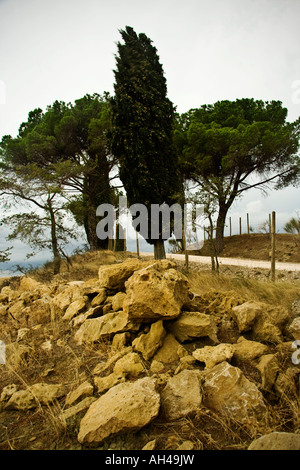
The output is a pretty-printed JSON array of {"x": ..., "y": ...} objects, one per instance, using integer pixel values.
[
  {"x": 220, "y": 229},
  {"x": 159, "y": 249},
  {"x": 56, "y": 255}
]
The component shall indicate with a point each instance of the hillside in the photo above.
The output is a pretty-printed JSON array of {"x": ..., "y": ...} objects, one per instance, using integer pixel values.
[
  {"x": 257, "y": 246},
  {"x": 123, "y": 354}
]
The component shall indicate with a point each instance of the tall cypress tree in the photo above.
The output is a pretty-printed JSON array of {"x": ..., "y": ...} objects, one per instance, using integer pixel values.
[{"x": 142, "y": 135}]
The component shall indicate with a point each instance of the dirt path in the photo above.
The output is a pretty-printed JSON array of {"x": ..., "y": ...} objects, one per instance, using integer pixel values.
[{"x": 248, "y": 263}]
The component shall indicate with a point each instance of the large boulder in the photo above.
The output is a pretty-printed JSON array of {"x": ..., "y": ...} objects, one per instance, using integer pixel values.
[
  {"x": 155, "y": 293},
  {"x": 113, "y": 277},
  {"x": 182, "y": 395},
  {"x": 124, "y": 408},
  {"x": 191, "y": 325},
  {"x": 265, "y": 321},
  {"x": 276, "y": 441},
  {"x": 228, "y": 391}
]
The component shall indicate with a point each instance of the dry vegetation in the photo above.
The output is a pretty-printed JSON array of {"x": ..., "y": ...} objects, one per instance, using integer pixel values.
[{"x": 71, "y": 364}]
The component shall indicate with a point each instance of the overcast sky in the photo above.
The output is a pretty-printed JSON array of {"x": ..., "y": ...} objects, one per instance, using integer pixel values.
[{"x": 210, "y": 50}]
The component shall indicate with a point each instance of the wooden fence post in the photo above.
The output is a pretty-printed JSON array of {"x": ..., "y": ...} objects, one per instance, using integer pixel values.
[
  {"x": 273, "y": 246},
  {"x": 230, "y": 227},
  {"x": 248, "y": 226},
  {"x": 240, "y": 225}
]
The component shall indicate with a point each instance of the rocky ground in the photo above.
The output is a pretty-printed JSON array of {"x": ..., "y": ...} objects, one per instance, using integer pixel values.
[{"x": 143, "y": 357}]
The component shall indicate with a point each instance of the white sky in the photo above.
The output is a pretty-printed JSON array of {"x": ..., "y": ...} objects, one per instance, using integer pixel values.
[{"x": 210, "y": 50}]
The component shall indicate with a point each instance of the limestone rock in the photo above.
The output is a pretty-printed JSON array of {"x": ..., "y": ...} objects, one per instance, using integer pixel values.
[
  {"x": 213, "y": 355},
  {"x": 113, "y": 277},
  {"x": 245, "y": 315},
  {"x": 8, "y": 391},
  {"x": 227, "y": 390},
  {"x": 269, "y": 368},
  {"x": 94, "y": 329},
  {"x": 117, "y": 301},
  {"x": 171, "y": 351},
  {"x": 276, "y": 441},
  {"x": 182, "y": 395},
  {"x": 29, "y": 284},
  {"x": 153, "y": 294},
  {"x": 75, "y": 308},
  {"x": 294, "y": 328},
  {"x": 192, "y": 325},
  {"x": 147, "y": 344},
  {"x": 105, "y": 383},
  {"x": 40, "y": 393},
  {"x": 84, "y": 390},
  {"x": 65, "y": 297},
  {"x": 125, "y": 407},
  {"x": 100, "y": 298},
  {"x": 130, "y": 364},
  {"x": 245, "y": 350},
  {"x": 78, "y": 408}
]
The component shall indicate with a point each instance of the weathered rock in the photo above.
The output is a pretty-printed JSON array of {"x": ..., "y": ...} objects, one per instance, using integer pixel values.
[
  {"x": 130, "y": 364},
  {"x": 106, "y": 367},
  {"x": 182, "y": 395},
  {"x": 75, "y": 308},
  {"x": 105, "y": 383},
  {"x": 228, "y": 391},
  {"x": 154, "y": 293},
  {"x": 147, "y": 344},
  {"x": 276, "y": 441},
  {"x": 120, "y": 340},
  {"x": 245, "y": 350},
  {"x": 125, "y": 407},
  {"x": 192, "y": 325},
  {"x": 265, "y": 321},
  {"x": 29, "y": 284},
  {"x": 294, "y": 328},
  {"x": 94, "y": 329},
  {"x": 99, "y": 299},
  {"x": 117, "y": 301},
  {"x": 171, "y": 351},
  {"x": 63, "y": 299},
  {"x": 113, "y": 277},
  {"x": 245, "y": 315},
  {"x": 40, "y": 393},
  {"x": 84, "y": 390},
  {"x": 213, "y": 355},
  {"x": 78, "y": 408},
  {"x": 8, "y": 391},
  {"x": 16, "y": 310},
  {"x": 150, "y": 445},
  {"x": 268, "y": 367}
]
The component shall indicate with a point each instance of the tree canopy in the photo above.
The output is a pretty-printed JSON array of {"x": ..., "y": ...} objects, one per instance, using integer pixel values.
[
  {"x": 142, "y": 133},
  {"x": 223, "y": 144}
]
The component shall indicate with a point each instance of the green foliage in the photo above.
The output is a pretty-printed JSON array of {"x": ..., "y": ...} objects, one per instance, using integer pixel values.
[
  {"x": 293, "y": 225},
  {"x": 221, "y": 145},
  {"x": 5, "y": 255},
  {"x": 68, "y": 143},
  {"x": 142, "y": 133}
]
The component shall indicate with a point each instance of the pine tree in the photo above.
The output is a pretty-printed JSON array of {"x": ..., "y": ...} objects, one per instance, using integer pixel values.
[{"x": 142, "y": 135}]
